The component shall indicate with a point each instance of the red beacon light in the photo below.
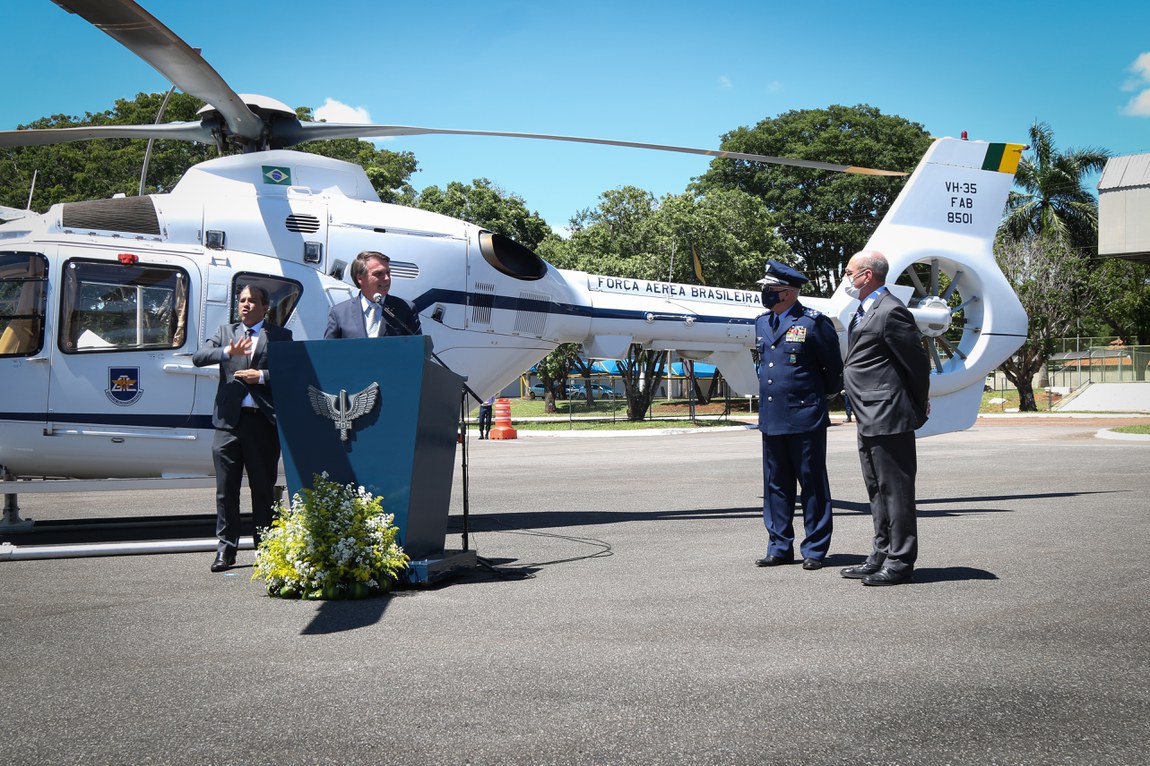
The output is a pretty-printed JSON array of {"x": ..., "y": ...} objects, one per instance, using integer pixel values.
[
  {"x": 964, "y": 138},
  {"x": 128, "y": 259}
]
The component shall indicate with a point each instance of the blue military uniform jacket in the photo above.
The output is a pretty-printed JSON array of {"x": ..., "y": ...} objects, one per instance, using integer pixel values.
[{"x": 799, "y": 366}]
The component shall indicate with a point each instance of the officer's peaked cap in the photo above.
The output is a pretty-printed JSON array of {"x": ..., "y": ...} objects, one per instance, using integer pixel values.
[{"x": 782, "y": 274}]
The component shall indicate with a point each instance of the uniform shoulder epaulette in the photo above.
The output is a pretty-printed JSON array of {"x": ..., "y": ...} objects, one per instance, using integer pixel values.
[{"x": 812, "y": 313}]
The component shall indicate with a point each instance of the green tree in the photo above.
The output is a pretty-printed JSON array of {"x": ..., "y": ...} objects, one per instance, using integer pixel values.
[
  {"x": 98, "y": 169},
  {"x": 485, "y": 204},
  {"x": 630, "y": 234},
  {"x": 389, "y": 172},
  {"x": 641, "y": 371},
  {"x": 824, "y": 217},
  {"x": 553, "y": 370},
  {"x": 1045, "y": 273},
  {"x": 1053, "y": 205},
  {"x": 1051, "y": 199}
]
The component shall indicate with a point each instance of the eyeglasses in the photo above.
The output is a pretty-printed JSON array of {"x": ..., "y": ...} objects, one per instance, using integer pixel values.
[{"x": 852, "y": 274}]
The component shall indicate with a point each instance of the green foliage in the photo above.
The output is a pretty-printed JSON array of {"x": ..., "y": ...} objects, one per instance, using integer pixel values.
[
  {"x": 485, "y": 204},
  {"x": 553, "y": 370},
  {"x": 641, "y": 371},
  {"x": 99, "y": 169},
  {"x": 1052, "y": 282},
  {"x": 333, "y": 542},
  {"x": 1122, "y": 305},
  {"x": 824, "y": 217},
  {"x": 630, "y": 234},
  {"x": 86, "y": 170}
]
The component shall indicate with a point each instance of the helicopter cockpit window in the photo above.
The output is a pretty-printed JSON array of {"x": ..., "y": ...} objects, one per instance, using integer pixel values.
[
  {"x": 120, "y": 307},
  {"x": 283, "y": 295},
  {"x": 23, "y": 277}
]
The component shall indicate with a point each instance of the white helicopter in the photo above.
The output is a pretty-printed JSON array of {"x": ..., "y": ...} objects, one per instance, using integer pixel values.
[{"x": 102, "y": 303}]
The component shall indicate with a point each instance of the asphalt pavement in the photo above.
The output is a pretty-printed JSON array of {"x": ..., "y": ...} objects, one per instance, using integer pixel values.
[{"x": 622, "y": 621}]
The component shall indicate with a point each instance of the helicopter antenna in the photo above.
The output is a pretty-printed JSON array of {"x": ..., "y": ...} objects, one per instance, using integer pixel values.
[
  {"x": 32, "y": 189},
  {"x": 151, "y": 141}
]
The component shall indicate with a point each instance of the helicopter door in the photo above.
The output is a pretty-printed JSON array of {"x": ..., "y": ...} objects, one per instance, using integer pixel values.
[
  {"x": 121, "y": 323},
  {"x": 24, "y": 364}
]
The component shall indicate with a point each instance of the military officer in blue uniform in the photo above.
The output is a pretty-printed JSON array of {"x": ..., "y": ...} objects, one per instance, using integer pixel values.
[{"x": 799, "y": 367}]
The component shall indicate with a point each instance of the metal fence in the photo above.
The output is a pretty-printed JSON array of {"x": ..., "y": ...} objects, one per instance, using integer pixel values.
[{"x": 1078, "y": 362}]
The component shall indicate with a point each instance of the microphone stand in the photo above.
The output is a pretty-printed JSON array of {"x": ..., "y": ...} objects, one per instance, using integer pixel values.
[{"x": 400, "y": 324}]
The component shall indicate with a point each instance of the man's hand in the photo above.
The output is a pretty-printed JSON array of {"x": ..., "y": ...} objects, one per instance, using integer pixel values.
[
  {"x": 248, "y": 376},
  {"x": 242, "y": 346}
]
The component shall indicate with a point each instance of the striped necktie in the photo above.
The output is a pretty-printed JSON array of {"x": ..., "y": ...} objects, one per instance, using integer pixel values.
[{"x": 855, "y": 319}]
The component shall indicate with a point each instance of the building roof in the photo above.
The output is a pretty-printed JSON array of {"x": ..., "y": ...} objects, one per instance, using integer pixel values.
[{"x": 1125, "y": 172}]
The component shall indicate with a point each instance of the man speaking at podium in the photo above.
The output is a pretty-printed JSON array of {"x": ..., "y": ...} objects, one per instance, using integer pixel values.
[{"x": 373, "y": 313}]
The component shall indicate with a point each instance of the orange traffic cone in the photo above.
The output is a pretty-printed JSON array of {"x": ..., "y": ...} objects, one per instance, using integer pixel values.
[{"x": 502, "y": 428}]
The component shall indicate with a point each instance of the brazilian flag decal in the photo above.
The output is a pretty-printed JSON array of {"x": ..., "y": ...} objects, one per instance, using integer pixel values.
[
  {"x": 277, "y": 176},
  {"x": 1002, "y": 157}
]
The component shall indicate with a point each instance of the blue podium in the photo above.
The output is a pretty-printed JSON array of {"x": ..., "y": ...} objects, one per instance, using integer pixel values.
[{"x": 376, "y": 412}]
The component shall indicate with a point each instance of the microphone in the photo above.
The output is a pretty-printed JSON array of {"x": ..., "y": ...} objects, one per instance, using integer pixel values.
[
  {"x": 396, "y": 321},
  {"x": 377, "y": 298}
]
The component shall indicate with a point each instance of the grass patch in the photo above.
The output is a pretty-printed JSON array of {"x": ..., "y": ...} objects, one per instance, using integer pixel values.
[
  {"x": 1132, "y": 430},
  {"x": 608, "y": 414},
  {"x": 1043, "y": 398}
]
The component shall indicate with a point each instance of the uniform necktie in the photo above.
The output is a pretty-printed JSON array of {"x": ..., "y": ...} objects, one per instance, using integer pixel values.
[
  {"x": 774, "y": 321},
  {"x": 373, "y": 321}
]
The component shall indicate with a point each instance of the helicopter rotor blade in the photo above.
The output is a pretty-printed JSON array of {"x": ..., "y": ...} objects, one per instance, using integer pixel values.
[
  {"x": 179, "y": 131},
  {"x": 313, "y": 131},
  {"x": 143, "y": 34}
]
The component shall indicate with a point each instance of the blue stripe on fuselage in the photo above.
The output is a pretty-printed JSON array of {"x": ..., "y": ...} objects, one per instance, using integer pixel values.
[{"x": 509, "y": 303}]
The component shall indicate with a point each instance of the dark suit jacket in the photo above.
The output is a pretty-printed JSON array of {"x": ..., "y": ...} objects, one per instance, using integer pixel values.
[
  {"x": 887, "y": 370},
  {"x": 231, "y": 392},
  {"x": 346, "y": 319}
]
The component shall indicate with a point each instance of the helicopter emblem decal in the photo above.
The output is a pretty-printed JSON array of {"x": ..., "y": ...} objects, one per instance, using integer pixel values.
[
  {"x": 124, "y": 385},
  {"x": 341, "y": 408}
]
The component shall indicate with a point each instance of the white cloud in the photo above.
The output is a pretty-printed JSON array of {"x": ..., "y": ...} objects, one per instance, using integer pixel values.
[
  {"x": 774, "y": 86},
  {"x": 336, "y": 111},
  {"x": 1139, "y": 106},
  {"x": 1141, "y": 67},
  {"x": 725, "y": 82}
]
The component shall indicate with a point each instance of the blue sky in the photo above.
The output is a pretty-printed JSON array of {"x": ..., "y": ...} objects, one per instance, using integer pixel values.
[{"x": 672, "y": 73}]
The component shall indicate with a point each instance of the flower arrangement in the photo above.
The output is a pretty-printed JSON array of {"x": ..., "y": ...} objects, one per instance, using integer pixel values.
[{"x": 334, "y": 542}]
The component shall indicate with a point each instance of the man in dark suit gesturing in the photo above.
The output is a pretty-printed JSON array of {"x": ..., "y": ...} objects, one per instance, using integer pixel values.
[
  {"x": 374, "y": 312},
  {"x": 245, "y": 419},
  {"x": 887, "y": 377}
]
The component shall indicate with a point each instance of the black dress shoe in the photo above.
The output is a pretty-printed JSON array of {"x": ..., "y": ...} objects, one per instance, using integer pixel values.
[
  {"x": 864, "y": 569},
  {"x": 888, "y": 577},
  {"x": 225, "y": 560},
  {"x": 810, "y": 564},
  {"x": 774, "y": 561}
]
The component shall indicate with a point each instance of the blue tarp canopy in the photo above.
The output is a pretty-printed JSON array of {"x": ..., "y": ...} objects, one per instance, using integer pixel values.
[{"x": 611, "y": 367}]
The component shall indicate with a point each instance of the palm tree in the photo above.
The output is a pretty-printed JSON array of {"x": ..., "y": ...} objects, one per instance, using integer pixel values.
[
  {"x": 1053, "y": 202},
  {"x": 1050, "y": 228}
]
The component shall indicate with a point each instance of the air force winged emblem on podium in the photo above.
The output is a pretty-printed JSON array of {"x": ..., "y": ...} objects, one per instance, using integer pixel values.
[{"x": 341, "y": 408}]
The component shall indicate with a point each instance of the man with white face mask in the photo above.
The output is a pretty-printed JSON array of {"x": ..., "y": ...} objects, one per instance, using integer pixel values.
[
  {"x": 887, "y": 377},
  {"x": 799, "y": 367}
]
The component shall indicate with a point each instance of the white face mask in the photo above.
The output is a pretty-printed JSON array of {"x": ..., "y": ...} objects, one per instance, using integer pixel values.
[{"x": 849, "y": 288}]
